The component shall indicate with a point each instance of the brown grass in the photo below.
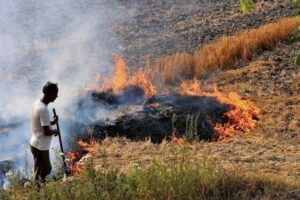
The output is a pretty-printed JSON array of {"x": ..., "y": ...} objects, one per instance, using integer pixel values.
[
  {"x": 249, "y": 153},
  {"x": 182, "y": 63},
  {"x": 223, "y": 52}
]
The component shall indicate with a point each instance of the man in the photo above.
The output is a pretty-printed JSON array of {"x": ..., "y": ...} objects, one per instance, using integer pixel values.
[{"x": 42, "y": 133}]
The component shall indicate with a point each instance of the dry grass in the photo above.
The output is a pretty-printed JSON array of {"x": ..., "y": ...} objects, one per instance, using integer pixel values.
[
  {"x": 223, "y": 52},
  {"x": 249, "y": 153},
  {"x": 277, "y": 97},
  {"x": 164, "y": 67},
  {"x": 169, "y": 171}
]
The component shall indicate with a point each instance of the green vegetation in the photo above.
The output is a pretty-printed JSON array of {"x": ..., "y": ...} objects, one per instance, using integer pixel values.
[
  {"x": 296, "y": 35},
  {"x": 296, "y": 7},
  {"x": 296, "y": 58},
  {"x": 246, "y": 6},
  {"x": 296, "y": 3},
  {"x": 296, "y": 54},
  {"x": 177, "y": 176},
  {"x": 191, "y": 133}
]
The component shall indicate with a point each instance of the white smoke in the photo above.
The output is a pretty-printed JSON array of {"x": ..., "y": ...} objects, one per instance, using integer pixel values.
[{"x": 64, "y": 41}]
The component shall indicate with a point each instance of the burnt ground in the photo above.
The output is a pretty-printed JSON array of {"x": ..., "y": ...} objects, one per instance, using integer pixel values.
[
  {"x": 270, "y": 80},
  {"x": 159, "y": 116}
]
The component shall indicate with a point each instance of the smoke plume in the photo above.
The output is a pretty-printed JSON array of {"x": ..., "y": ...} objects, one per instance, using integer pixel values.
[{"x": 63, "y": 41}]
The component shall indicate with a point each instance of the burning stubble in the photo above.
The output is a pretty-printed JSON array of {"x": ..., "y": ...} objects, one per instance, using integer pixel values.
[{"x": 140, "y": 111}]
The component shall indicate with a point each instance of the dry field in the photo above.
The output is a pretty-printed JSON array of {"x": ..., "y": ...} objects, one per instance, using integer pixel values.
[
  {"x": 272, "y": 148},
  {"x": 264, "y": 75},
  {"x": 213, "y": 42}
]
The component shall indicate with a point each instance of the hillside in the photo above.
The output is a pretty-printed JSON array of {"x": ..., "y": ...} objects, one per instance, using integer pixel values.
[{"x": 267, "y": 77}]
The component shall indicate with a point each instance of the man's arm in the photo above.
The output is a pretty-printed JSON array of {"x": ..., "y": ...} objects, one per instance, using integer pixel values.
[
  {"x": 46, "y": 123},
  {"x": 49, "y": 132},
  {"x": 54, "y": 121}
]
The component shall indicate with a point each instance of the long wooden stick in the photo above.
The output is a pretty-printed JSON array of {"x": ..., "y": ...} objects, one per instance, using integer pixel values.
[{"x": 61, "y": 146}]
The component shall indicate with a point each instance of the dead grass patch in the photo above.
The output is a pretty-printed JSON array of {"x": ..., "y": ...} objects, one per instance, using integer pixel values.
[
  {"x": 223, "y": 52},
  {"x": 250, "y": 153},
  {"x": 254, "y": 66}
]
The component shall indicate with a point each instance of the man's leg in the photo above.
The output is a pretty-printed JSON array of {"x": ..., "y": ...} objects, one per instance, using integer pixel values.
[
  {"x": 36, "y": 158},
  {"x": 42, "y": 165},
  {"x": 45, "y": 165}
]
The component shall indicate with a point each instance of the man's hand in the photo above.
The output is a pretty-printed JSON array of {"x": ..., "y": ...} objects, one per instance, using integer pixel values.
[
  {"x": 55, "y": 120},
  {"x": 49, "y": 132},
  {"x": 55, "y": 132}
]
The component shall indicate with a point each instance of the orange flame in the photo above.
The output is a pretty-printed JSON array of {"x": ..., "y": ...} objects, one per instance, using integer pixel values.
[
  {"x": 74, "y": 157},
  {"x": 191, "y": 88},
  {"x": 142, "y": 78},
  {"x": 242, "y": 115},
  {"x": 87, "y": 147},
  {"x": 176, "y": 140},
  {"x": 122, "y": 80}
]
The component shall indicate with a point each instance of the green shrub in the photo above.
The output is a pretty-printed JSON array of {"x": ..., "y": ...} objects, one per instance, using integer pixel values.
[
  {"x": 296, "y": 7},
  {"x": 246, "y": 6},
  {"x": 296, "y": 3}
]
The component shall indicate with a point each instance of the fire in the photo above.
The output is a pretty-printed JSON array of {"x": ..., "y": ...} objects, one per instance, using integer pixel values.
[
  {"x": 142, "y": 78},
  {"x": 176, "y": 140},
  {"x": 87, "y": 147},
  {"x": 74, "y": 156},
  {"x": 191, "y": 88},
  {"x": 121, "y": 80},
  {"x": 242, "y": 115}
]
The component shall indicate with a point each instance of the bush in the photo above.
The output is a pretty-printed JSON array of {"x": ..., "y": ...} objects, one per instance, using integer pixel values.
[
  {"x": 246, "y": 6},
  {"x": 296, "y": 3}
]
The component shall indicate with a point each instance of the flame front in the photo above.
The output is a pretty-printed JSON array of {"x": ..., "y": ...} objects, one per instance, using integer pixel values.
[
  {"x": 87, "y": 147},
  {"x": 242, "y": 115},
  {"x": 142, "y": 79},
  {"x": 74, "y": 156},
  {"x": 121, "y": 80}
]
